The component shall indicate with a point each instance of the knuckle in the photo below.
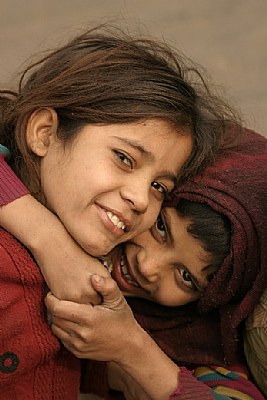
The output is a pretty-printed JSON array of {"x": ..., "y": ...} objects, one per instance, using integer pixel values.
[{"x": 84, "y": 336}]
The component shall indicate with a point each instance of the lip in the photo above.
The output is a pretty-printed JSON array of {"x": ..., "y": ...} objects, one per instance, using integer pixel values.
[
  {"x": 123, "y": 284},
  {"x": 102, "y": 212}
]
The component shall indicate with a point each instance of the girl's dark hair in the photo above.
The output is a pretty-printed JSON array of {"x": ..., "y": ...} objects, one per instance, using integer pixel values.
[
  {"x": 106, "y": 77},
  {"x": 209, "y": 227}
]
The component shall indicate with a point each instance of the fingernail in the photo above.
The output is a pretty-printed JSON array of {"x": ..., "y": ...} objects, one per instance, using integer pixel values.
[{"x": 97, "y": 278}]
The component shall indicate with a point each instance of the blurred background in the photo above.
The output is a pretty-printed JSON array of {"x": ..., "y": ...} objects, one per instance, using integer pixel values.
[{"x": 227, "y": 37}]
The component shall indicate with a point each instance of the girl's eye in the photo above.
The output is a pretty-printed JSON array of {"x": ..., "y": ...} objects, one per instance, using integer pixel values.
[
  {"x": 159, "y": 230},
  {"x": 187, "y": 279},
  {"x": 123, "y": 158},
  {"x": 160, "y": 226}
]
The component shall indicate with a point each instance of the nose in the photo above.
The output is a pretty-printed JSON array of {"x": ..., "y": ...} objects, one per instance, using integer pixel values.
[
  {"x": 136, "y": 193},
  {"x": 148, "y": 266}
]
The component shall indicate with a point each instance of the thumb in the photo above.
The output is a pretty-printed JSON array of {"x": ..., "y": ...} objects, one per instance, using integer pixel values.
[{"x": 109, "y": 290}]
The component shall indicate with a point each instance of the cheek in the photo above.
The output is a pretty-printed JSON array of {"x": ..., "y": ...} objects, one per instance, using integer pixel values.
[
  {"x": 169, "y": 294},
  {"x": 57, "y": 186},
  {"x": 151, "y": 215}
]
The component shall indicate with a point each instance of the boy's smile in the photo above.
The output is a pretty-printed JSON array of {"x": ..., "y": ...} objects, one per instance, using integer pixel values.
[{"x": 164, "y": 265}]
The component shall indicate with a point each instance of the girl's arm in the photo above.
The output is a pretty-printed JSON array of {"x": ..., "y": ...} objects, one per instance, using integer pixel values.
[
  {"x": 65, "y": 266},
  {"x": 138, "y": 368}
]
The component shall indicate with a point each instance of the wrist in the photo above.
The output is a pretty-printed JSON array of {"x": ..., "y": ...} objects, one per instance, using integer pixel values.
[
  {"x": 132, "y": 347},
  {"x": 148, "y": 365}
]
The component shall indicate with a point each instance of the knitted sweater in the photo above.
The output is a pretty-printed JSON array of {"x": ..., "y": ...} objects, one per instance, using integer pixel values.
[
  {"x": 11, "y": 187},
  {"x": 203, "y": 383},
  {"x": 33, "y": 365}
]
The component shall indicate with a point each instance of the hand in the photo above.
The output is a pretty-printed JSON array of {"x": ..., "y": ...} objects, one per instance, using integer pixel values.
[
  {"x": 106, "y": 332},
  {"x": 109, "y": 332}
]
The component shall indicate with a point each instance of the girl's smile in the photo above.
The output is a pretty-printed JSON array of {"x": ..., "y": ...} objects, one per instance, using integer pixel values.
[{"x": 107, "y": 185}]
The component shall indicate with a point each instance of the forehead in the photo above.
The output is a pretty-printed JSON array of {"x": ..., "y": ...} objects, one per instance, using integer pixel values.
[{"x": 159, "y": 141}]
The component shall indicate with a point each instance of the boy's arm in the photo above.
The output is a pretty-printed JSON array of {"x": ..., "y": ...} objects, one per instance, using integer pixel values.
[
  {"x": 65, "y": 266},
  {"x": 110, "y": 332},
  {"x": 139, "y": 368}
]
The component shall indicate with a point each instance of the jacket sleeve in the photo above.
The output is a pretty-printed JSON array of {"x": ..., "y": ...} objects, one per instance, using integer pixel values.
[
  {"x": 205, "y": 383},
  {"x": 11, "y": 188},
  {"x": 216, "y": 383}
]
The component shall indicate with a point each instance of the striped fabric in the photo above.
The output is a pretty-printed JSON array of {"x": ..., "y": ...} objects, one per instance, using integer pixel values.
[{"x": 226, "y": 384}]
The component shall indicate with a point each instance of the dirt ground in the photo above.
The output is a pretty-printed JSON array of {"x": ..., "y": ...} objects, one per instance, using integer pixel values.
[{"x": 227, "y": 37}]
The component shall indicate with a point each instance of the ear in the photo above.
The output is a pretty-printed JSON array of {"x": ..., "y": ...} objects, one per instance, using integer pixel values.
[{"x": 41, "y": 130}]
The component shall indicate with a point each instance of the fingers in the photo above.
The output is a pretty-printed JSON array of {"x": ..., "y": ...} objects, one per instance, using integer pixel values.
[
  {"x": 67, "y": 310},
  {"x": 74, "y": 337},
  {"x": 74, "y": 341},
  {"x": 70, "y": 341},
  {"x": 109, "y": 290}
]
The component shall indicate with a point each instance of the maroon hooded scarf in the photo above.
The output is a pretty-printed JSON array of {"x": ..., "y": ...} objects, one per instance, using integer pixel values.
[{"x": 208, "y": 331}]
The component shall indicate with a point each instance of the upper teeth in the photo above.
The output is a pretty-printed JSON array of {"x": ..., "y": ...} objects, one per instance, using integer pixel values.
[
  {"x": 125, "y": 272},
  {"x": 115, "y": 220},
  {"x": 107, "y": 264}
]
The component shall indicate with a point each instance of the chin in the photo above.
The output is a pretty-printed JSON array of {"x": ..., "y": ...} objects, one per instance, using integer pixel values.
[{"x": 94, "y": 250}]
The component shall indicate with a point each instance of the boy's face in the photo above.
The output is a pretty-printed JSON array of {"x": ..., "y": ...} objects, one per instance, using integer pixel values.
[{"x": 166, "y": 264}]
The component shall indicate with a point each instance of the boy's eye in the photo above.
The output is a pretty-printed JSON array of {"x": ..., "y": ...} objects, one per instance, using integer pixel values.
[
  {"x": 187, "y": 279},
  {"x": 123, "y": 158},
  {"x": 160, "y": 226}
]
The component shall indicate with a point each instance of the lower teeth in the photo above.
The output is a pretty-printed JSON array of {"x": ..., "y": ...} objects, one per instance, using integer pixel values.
[{"x": 125, "y": 273}]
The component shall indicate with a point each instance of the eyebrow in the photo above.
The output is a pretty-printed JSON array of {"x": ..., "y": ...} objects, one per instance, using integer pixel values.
[
  {"x": 137, "y": 146},
  {"x": 196, "y": 281}
]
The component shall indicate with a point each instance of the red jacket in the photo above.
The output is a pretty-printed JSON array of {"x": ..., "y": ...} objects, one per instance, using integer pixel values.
[{"x": 33, "y": 364}]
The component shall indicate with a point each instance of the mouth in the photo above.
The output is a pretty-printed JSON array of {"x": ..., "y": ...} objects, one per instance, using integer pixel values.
[
  {"x": 120, "y": 271},
  {"x": 116, "y": 221},
  {"x": 125, "y": 272},
  {"x": 113, "y": 221}
]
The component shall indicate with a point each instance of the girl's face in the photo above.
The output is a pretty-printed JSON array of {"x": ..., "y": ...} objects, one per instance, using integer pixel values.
[
  {"x": 108, "y": 185},
  {"x": 166, "y": 264}
]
